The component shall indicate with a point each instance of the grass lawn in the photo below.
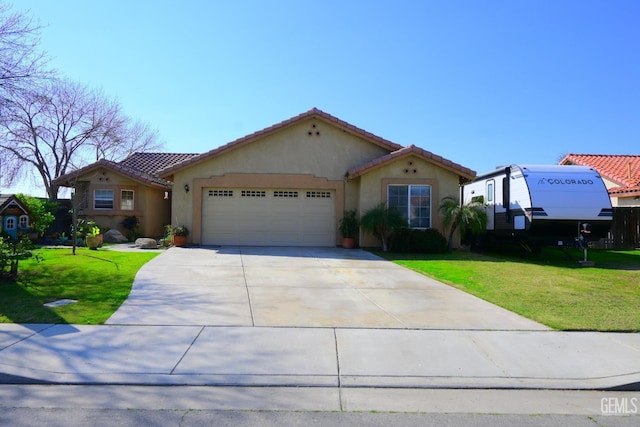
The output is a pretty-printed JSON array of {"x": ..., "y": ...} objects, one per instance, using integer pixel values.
[
  {"x": 547, "y": 287},
  {"x": 100, "y": 280}
]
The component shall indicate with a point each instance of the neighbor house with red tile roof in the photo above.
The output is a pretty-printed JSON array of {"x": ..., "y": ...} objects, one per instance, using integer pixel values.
[
  {"x": 621, "y": 174},
  {"x": 286, "y": 185}
]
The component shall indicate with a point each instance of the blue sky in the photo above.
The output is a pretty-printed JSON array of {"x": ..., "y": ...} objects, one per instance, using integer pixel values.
[{"x": 481, "y": 83}]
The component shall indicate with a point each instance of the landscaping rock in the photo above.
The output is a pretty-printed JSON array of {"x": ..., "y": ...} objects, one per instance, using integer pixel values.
[
  {"x": 114, "y": 236},
  {"x": 146, "y": 243}
]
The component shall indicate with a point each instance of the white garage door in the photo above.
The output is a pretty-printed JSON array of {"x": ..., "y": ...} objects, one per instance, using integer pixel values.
[{"x": 281, "y": 217}]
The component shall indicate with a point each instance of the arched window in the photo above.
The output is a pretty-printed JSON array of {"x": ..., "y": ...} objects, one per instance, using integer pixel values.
[{"x": 23, "y": 221}]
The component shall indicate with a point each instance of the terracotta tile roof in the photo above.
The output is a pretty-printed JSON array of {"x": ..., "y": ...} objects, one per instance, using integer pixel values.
[
  {"x": 621, "y": 169},
  {"x": 313, "y": 113},
  {"x": 153, "y": 163},
  {"x": 407, "y": 151},
  {"x": 68, "y": 179},
  {"x": 143, "y": 167}
]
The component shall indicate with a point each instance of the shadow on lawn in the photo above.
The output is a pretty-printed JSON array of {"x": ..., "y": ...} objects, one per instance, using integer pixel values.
[
  {"x": 603, "y": 259},
  {"x": 570, "y": 258},
  {"x": 21, "y": 306}
]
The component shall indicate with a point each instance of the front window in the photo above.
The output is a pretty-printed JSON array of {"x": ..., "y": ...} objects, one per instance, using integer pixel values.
[
  {"x": 103, "y": 199},
  {"x": 126, "y": 200},
  {"x": 413, "y": 202},
  {"x": 23, "y": 222}
]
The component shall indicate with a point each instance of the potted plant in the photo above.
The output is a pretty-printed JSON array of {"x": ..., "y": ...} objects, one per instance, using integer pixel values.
[
  {"x": 180, "y": 234},
  {"x": 93, "y": 238},
  {"x": 349, "y": 226}
]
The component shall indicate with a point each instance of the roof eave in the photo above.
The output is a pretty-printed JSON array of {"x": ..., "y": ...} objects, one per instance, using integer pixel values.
[
  {"x": 69, "y": 179},
  {"x": 13, "y": 198},
  {"x": 248, "y": 139},
  {"x": 439, "y": 161},
  {"x": 624, "y": 192}
]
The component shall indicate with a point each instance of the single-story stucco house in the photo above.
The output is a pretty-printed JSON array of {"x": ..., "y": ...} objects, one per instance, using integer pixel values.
[
  {"x": 289, "y": 184},
  {"x": 286, "y": 185}
]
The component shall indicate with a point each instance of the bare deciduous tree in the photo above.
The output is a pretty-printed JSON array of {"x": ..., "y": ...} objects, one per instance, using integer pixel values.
[
  {"x": 20, "y": 60},
  {"x": 62, "y": 125}
]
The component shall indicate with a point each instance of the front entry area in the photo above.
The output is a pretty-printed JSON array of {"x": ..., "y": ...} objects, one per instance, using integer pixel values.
[{"x": 268, "y": 217}]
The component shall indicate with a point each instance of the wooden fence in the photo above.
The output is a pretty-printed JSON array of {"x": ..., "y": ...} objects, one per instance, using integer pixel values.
[{"x": 625, "y": 230}]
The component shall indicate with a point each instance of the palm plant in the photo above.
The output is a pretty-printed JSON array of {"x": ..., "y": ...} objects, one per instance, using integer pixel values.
[
  {"x": 382, "y": 222},
  {"x": 471, "y": 217}
]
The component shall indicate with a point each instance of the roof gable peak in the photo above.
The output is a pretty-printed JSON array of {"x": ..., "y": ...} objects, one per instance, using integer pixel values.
[
  {"x": 412, "y": 150},
  {"x": 309, "y": 114}
]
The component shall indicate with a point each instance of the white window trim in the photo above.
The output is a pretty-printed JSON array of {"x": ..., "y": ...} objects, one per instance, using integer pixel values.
[
  {"x": 11, "y": 223},
  {"x": 409, "y": 203},
  {"x": 133, "y": 200},
  {"x": 26, "y": 222}
]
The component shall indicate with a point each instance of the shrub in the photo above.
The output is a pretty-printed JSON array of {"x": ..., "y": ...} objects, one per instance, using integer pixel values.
[
  {"x": 429, "y": 241},
  {"x": 11, "y": 253},
  {"x": 40, "y": 212},
  {"x": 132, "y": 226}
]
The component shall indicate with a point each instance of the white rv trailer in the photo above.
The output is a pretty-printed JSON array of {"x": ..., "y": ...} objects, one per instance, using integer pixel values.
[{"x": 543, "y": 204}]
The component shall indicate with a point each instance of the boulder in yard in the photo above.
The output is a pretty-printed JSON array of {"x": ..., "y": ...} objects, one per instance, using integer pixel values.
[
  {"x": 146, "y": 243},
  {"x": 114, "y": 236}
]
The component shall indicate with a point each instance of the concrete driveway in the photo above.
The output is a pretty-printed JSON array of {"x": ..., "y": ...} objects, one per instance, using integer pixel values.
[{"x": 300, "y": 287}]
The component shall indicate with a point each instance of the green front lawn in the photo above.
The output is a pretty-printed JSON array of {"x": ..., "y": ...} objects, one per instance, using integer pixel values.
[
  {"x": 100, "y": 280},
  {"x": 547, "y": 287}
]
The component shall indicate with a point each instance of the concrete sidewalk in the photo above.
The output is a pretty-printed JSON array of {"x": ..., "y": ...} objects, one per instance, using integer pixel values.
[
  {"x": 317, "y": 317},
  {"x": 318, "y": 357}
]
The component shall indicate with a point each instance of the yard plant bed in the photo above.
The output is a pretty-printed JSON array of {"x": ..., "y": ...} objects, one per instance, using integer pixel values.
[
  {"x": 100, "y": 281},
  {"x": 548, "y": 287}
]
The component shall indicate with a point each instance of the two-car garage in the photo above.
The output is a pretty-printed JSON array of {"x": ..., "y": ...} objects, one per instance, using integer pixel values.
[{"x": 268, "y": 217}]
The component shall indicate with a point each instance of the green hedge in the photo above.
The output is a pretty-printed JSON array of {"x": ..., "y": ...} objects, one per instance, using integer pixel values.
[{"x": 429, "y": 241}]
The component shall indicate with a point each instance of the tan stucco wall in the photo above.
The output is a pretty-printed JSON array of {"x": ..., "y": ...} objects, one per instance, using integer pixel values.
[
  {"x": 149, "y": 204},
  {"x": 625, "y": 201},
  {"x": 373, "y": 188},
  {"x": 291, "y": 158},
  {"x": 156, "y": 212}
]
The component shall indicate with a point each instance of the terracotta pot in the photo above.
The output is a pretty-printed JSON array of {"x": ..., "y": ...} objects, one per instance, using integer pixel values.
[
  {"x": 179, "y": 241},
  {"x": 348, "y": 242},
  {"x": 93, "y": 241}
]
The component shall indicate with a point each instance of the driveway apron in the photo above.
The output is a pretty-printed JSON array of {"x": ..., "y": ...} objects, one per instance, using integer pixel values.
[{"x": 300, "y": 287}]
